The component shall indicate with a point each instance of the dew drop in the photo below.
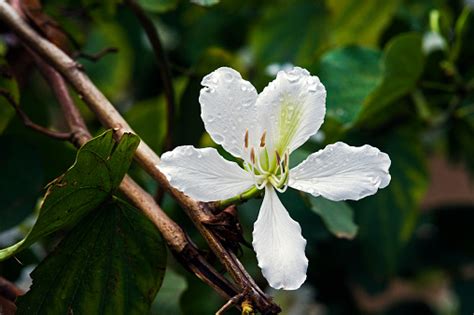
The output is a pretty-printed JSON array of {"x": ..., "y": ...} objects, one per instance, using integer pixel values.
[
  {"x": 313, "y": 88},
  {"x": 218, "y": 137},
  {"x": 209, "y": 90},
  {"x": 292, "y": 76},
  {"x": 228, "y": 77},
  {"x": 210, "y": 118},
  {"x": 188, "y": 151},
  {"x": 247, "y": 103}
]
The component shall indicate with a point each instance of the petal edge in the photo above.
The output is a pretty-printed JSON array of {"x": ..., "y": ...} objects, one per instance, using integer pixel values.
[
  {"x": 342, "y": 172},
  {"x": 279, "y": 245},
  {"x": 203, "y": 174}
]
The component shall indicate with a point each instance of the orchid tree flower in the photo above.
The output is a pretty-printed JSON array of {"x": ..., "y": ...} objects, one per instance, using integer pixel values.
[{"x": 262, "y": 130}]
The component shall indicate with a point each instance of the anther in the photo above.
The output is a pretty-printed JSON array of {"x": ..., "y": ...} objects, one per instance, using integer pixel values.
[
  {"x": 262, "y": 139},
  {"x": 278, "y": 157},
  {"x": 246, "y": 139},
  {"x": 252, "y": 156}
]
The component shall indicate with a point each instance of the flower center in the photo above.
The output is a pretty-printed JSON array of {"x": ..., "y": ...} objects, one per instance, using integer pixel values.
[{"x": 266, "y": 167}]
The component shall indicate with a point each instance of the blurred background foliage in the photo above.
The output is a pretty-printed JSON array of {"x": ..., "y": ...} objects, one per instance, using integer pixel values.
[{"x": 399, "y": 75}]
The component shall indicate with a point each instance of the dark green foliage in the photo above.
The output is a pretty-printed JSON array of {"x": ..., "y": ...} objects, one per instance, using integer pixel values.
[
  {"x": 112, "y": 262},
  {"x": 99, "y": 168},
  {"x": 383, "y": 88},
  {"x": 21, "y": 181}
]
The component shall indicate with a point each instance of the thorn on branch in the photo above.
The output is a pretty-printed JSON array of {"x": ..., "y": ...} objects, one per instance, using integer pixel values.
[
  {"x": 97, "y": 56},
  {"x": 30, "y": 124}
]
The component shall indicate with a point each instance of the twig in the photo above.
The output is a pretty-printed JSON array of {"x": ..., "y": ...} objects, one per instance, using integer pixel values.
[
  {"x": 232, "y": 301},
  {"x": 97, "y": 56},
  {"x": 30, "y": 124},
  {"x": 163, "y": 65},
  {"x": 110, "y": 118}
]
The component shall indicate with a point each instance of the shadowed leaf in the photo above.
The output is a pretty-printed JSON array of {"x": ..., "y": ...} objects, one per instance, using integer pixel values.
[
  {"x": 99, "y": 168},
  {"x": 337, "y": 216},
  {"x": 112, "y": 262}
]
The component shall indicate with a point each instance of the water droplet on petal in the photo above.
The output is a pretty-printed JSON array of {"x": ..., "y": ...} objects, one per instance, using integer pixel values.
[
  {"x": 218, "y": 138},
  {"x": 247, "y": 103},
  {"x": 188, "y": 151},
  {"x": 313, "y": 88},
  {"x": 210, "y": 118},
  {"x": 228, "y": 77},
  {"x": 209, "y": 90},
  {"x": 292, "y": 76}
]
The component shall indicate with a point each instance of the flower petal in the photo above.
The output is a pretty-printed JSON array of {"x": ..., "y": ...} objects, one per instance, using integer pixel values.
[
  {"x": 292, "y": 109},
  {"x": 228, "y": 109},
  {"x": 279, "y": 245},
  {"x": 203, "y": 174},
  {"x": 341, "y": 172}
]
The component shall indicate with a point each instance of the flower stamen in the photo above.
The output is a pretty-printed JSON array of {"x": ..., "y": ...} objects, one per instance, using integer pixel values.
[
  {"x": 262, "y": 139},
  {"x": 246, "y": 139}
]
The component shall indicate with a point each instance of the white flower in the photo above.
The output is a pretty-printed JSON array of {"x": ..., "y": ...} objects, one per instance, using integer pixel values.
[{"x": 262, "y": 130}]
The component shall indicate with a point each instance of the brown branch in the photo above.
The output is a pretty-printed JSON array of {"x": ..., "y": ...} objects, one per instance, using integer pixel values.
[
  {"x": 29, "y": 123},
  {"x": 108, "y": 115},
  {"x": 8, "y": 294},
  {"x": 163, "y": 65},
  {"x": 433, "y": 293}
]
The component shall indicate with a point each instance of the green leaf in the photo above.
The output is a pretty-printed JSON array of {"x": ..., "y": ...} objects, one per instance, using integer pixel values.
[
  {"x": 149, "y": 117},
  {"x": 21, "y": 180},
  {"x": 8, "y": 85},
  {"x": 360, "y": 22},
  {"x": 292, "y": 31},
  {"x": 387, "y": 219},
  {"x": 167, "y": 301},
  {"x": 403, "y": 63},
  {"x": 158, "y": 6},
  {"x": 112, "y": 262},
  {"x": 205, "y": 3},
  {"x": 349, "y": 74},
  {"x": 99, "y": 168},
  {"x": 337, "y": 216}
]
